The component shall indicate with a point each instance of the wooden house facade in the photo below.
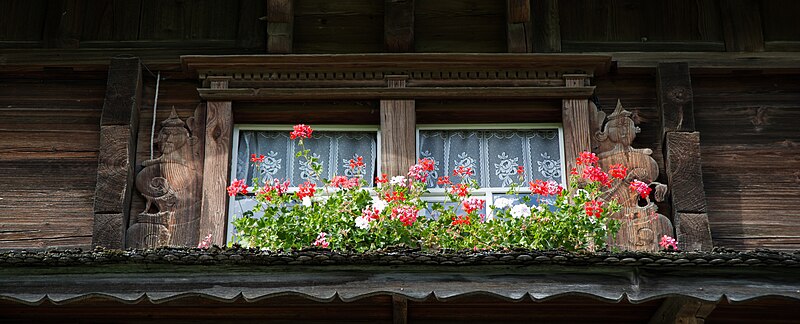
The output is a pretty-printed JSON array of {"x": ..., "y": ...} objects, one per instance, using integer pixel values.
[{"x": 90, "y": 89}]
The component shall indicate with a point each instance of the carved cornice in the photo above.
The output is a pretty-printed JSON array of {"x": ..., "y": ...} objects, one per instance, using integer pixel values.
[{"x": 363, "y": 76}]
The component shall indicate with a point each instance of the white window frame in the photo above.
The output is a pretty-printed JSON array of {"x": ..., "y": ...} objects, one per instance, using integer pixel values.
[
  {"x": 288, "y": 128},
  {"x": 489, "y": 192}
]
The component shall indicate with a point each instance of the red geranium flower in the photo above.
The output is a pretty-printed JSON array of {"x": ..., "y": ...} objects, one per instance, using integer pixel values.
[
  {"x": 587, "y": 158},
  {"x": 520, "y": 169},
  {"x": 460, "y": 190},
  {"x": 642, "y": 188},
  {"x": 301, "y": 131},
  {"x": 618, "y": 171},
  {"x": 307, "y": 189},
  {"x": 593, "y": 208},
  {"x": 236, "y": 187},
  {"x": 460, "y": 220},
  {"x": 254, "y": 158}
]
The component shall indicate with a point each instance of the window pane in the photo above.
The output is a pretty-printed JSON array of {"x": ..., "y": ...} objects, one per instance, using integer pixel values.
[
  {"x": 494, "y": 155},
  {"x": 334, "y": 149}
]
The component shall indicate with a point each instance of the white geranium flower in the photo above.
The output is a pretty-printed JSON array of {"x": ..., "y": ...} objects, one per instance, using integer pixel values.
[
  {"x": 581, "y": 193},
  {"x": 520, "y": 210},
  {"x": 362, "y": 222},
  {"x": 398, "y": 180},
  {"x": 503, "y": 202},
  {"x": 378, "y": 203},
  {"x": 307, "y": 201}
]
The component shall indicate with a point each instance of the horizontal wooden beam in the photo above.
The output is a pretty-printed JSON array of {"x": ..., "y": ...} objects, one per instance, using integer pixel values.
[{"x": 273, "y": 94}]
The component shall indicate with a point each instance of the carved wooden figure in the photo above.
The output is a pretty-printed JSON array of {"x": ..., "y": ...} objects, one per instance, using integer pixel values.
[
  {"x": 169, "y": 184},
  {"x": 642, "y": 225}
]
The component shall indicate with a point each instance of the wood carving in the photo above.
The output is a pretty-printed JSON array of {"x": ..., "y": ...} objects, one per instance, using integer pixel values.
[
  {"x": 169, "y": 184},
  {"x": 642, "y": 225}
]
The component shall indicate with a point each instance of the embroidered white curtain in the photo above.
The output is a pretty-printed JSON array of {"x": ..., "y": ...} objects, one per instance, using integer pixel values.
[
  {"x": 334, "y": 149},
  {"x": 494, "y": 155}
]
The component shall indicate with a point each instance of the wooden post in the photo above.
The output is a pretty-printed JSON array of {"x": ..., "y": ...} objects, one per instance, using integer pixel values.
[
  {"x": 119, "y": 126},
  {"x": 252, "y": 33},
  {"x": 741, "y": 24},
  {"x": 575, "y": 116},
  {"x": 682, "y": 156},
  {"x": 280, "y": 26},
  {"x": 546, "y": 26},
  {"x": 398, "y": 26},
  {"x": 519, "y": 27},
  {"x": 683, "y": 310},
  {"x": 398, "y": 131},
  {"x": 216, "y": 166},
  {"x": 399, "y": 309}
]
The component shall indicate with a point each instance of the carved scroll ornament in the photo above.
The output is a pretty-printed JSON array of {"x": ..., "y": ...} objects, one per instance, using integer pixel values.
[
  {"x": 169, "y": 184},
  {"x": 642, "y": 225}
]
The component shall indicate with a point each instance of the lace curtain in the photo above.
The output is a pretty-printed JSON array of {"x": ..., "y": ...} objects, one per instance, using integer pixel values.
[
  {"x": 334, "y": 149},
  {"x": 494, "y": 155}
]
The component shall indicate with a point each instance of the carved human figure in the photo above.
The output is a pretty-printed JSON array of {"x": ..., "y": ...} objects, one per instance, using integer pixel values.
[
  {"x": 642, "y": 224},
  {"x": 168, "y": 184}
]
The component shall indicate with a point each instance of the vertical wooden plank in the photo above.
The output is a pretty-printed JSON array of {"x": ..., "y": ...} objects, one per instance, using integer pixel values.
[
  {"x": 399, "y": 309},
  {"x": 398, "y": 26},
  {"x": 118, "y": 134},
  {"x": 216, "y": 166},
  {"x": 675, "y": 98},
  {"x": 683, "y": 310},
  {"x": 741, "y": 24},
  {"x": 64, "y": 23},
  {"x": 575, "y": 116},
  {"x": 252, "y": 29},
  {"x": 398, "y": 131},
  {"x": 280, "y": 26},
  {"x": 685, "y": 178},
  {"x": 518, "y": 34},
  {"x": 546, "y": 26}
]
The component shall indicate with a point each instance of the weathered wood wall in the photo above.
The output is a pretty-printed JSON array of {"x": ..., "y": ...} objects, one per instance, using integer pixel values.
[{"x": 49, "y": 131}]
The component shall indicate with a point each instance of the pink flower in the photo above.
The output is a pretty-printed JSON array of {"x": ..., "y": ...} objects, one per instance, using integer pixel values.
[
  {"x": 205, "y": 243},
  {"x": 472, "y": 204},
  {"x": 406, "y": 214},
  {"x": 618, "y": 171},
  {"x": 417, "y": 172},
  {"x": 586, "y": 158},
  {"x": 321, "y": 240},
  {"x": 594, "y": 173},
  {"x": 668, "y": 241},
  {"x": 237, "y": 187},
  {"x": 463, "y": 171},
  {"x": 254, "y": 158},
  {"x": 642, "y": 188},
  {"x": 593, "y": 208},
  {"x": 301, "y": 131},
  {"x": 371, "y": 213},
  {"x": 344, "y": 182},
  {"x": 549, "y": 188},
  {"x": 307, "y": 189},
  {"x": 460, "y": 190}
]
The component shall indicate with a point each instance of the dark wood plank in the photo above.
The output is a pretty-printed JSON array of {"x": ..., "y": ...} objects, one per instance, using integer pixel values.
[
  {"x": 108, "y": 231},
  {"x": 519, "y": 27},
  {"x": 64, "y": 24},
  {"x": 471, "y": 26},
  {"x": 398, "y": 28},
  {"x": 675, "y": 99},
  {"x": 123, "y": 92},
  {"x": 683, "y": 310},
  {"x": 780, "y": 21},
  {"x": 684, "y": 172},
  {"x": 252, "y": 31},
  {"x": 114, "y": 170},
  {"x": 741, "y": 22},
  {"x": 693, "y": 232},
  {"x": 398, "y": 129},
  {"x": 546, "y": 26},
  {"x": 399, "y": 309},
  {"x": 280, "y": 26},
  {"x": 216, "y": 166},
  {"x": 23, "y": 21},
  {"x": 339, "y": 27},
  {"x": 116, "y": 20}
]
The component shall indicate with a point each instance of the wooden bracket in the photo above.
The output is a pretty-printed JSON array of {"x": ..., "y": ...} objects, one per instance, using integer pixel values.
[
  {"x": 398, "y": 126},
  {"x": 546, "y": 26},
  {"x": 519, "y": 27},
  {"x": 683, "y": 310}
]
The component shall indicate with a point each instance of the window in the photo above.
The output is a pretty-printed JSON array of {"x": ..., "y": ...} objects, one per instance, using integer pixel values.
[
  {"x": 493, "y": 152},
  {"x": 334, "y": 146}
]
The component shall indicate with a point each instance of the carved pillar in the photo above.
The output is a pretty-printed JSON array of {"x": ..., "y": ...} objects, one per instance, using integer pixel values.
[
  {"x": 398, "y": 126},
  {"x": 169, "y": 184},
  {"x": 219, "y": 133},
  {"x": 576, "y": 118}
]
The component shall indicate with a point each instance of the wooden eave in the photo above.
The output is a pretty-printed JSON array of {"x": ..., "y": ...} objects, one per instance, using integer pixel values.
[{"x": 363, "y": 76}]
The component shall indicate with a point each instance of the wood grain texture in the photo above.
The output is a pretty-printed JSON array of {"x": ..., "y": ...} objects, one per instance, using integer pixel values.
[
  {"x": 741, "y": 23},
  {"x": 216, "y": 167},
  {"x": 108, "y": 231},
  {"x": 546, "y": 26},
  {"x": 684, "y": 172},
  {"x": 322, "y": 26},
  {"x": 693, "y": 232},
  {"x": 519, "y": 26},
  {"x": 280, "y": 26},
  {"x": 123, "y": 92},
  {"x": 252, "y": 32},
  {"x": 64, "y": 23},
  {"x": 398, "y": 26},
  {"x": 399, "y": 309},
  {"x": 398, "y": 129},
  {"x": 114, "y": 170},
  {"x": 682, "y": 310},
  {"x": 575, "y": 117},
  {"x": 675, "y": 99},
  {"x": 466, "y": 26}
]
